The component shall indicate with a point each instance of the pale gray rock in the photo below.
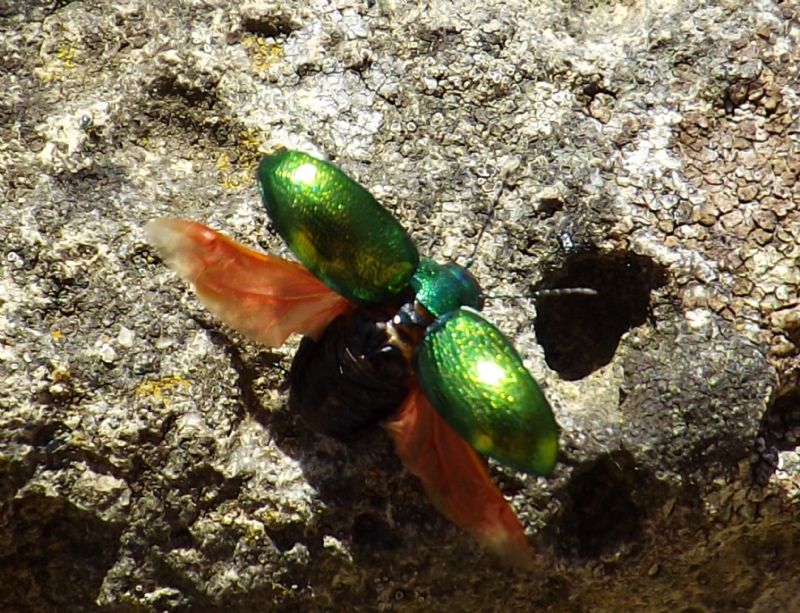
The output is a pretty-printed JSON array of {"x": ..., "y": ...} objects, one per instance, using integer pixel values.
[{"x": 148, "y": 461}]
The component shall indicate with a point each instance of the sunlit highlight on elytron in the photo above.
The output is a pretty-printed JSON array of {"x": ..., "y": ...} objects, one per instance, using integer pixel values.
[
  {"x": 305, "y": 173},
  {"x": 489, "y": 373}
]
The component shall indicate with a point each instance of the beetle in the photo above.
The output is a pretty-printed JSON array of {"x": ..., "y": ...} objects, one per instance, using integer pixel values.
[{"x": 389, "y": 338}]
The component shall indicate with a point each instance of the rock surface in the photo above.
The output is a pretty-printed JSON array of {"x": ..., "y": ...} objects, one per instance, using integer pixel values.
[{"x": 652, "y": 149}]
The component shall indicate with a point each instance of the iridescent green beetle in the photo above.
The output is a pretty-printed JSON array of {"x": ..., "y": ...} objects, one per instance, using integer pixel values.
[{"x": 387, "y": 335}]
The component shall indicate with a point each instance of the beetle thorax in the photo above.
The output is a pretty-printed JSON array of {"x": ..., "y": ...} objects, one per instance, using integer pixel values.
[{"x": 442, "y": 288}]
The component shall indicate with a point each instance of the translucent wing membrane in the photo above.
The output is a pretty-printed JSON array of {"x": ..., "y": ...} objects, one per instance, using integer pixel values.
[
  {"x": 455, "y": 478},
  {"x": 264, "y": 297}
]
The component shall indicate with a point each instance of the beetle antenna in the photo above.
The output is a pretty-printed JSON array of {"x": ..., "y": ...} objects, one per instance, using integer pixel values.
[
  {"x": 537, "y": 293},
  {"x": 549, "y": 293},
  {"x": 564, "y": 291}
]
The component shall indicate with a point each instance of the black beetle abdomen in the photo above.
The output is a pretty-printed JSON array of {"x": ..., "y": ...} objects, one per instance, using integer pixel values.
[{"x": 349, "y": 380}]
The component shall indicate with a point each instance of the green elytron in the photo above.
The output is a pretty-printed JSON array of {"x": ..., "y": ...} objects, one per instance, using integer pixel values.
[
  {"x": 336, "y": 228},
  {"x": 477, "y": 381}
]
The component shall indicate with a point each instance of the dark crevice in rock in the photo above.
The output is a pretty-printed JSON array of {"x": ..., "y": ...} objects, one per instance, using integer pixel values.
[
  {"x": 269, "y": 26},
  {"x": 550, "y": 205},
  {"x": 178, "y": 107},
  {"x": 605, "y": 506},
  {"x": 371, "y": 532},
  {"x": 210, "y": 487},
  {"x": 57, "y": 555},
  {"x": 779, "y": 431},
  {"x": 580, "y": 333},
  {"x": 54, "y": 447},
  {"x": 738, "y": 93},
  {"x": 287, "y": 535},
  {"x": 168, "y": 86}
]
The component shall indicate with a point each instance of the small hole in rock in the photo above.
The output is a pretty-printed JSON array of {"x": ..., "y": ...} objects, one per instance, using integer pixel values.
[
  {"x": 370, "y": 531},
  {"x": 779, "y": 431},
  {"x": 269, "y": 26},
  {"x": 549, "y": 206},
  {"x": 579, "y": 333},
  {"x": 605, "y": 506}
]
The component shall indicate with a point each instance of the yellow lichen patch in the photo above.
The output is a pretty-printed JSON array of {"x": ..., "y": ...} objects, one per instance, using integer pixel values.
[
  {"x": 231, "y": 177},
  {"x": 59, "y": 374},
  {"x": 251, "y": 142},
  {"x": 66, "y": 55},
  {"x": 263, "y": 53},
  {"x": 161, "y": 389},
  {"x": 224, "y": 162},
  {"x": 238, "y": 170},
  {"x": 56, "y": 64}
]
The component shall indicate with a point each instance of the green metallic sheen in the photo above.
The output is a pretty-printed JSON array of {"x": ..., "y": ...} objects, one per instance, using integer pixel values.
[
  {"x": 442, "y": 288},
  {"x": 336, "y": 228},
  {"x": 476, "y": 380}
]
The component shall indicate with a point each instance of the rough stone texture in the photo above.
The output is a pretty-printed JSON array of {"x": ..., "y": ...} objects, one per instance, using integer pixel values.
[{"x": 649, "y": 148}]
